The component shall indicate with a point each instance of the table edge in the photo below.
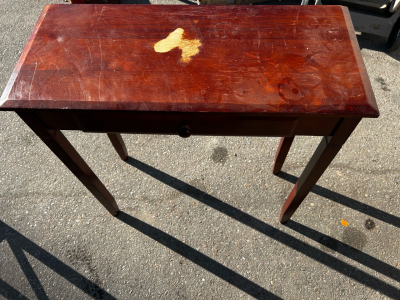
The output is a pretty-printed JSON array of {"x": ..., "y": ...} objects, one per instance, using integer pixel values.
[
  {"x": 248, "y": 113},
  {"x": 360, "y": 62},
  {"x": 21, "y": 60}
]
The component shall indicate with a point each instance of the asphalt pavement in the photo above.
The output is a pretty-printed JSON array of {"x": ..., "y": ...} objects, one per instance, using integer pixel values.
[{"x": 199, "y": 216}]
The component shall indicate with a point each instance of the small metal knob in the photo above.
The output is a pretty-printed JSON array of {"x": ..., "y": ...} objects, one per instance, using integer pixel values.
[{"x": 184, "y": 131}]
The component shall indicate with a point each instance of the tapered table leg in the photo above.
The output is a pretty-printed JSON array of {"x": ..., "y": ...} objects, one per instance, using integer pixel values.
[
  {"x": 61, "y": 147},
  {"x": 325, "y": 153},
  {"x": 119, "y": 145},
  {"x": 281, "y": 153}
]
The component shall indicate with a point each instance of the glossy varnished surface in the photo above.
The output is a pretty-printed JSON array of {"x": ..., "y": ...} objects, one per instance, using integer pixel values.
[{"x": 242, "y": 59}]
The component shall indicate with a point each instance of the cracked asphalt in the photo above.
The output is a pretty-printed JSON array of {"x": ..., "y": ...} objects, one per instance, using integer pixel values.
[{"x": 200, "y": 215}]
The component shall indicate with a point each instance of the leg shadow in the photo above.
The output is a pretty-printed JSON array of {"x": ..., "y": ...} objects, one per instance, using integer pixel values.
[
  {"x": 28, "y": 271},
  {"x": 349, "y": 202},
  {"x": 8, "y": 292},
  {"x": 346, "y": 250},
  {"x": 282, "y": 237},
  {"x": 18, "y": 244},
  {"x": 198, "y": 258}
]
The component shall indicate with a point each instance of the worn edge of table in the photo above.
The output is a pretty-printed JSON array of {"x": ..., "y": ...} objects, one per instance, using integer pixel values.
[
  {"x": 21, "y": 60},
  {"x": 360, "y": 62}
]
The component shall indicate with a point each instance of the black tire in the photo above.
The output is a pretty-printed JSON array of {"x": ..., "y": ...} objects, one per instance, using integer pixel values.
[{"x": 394, "y": 38}]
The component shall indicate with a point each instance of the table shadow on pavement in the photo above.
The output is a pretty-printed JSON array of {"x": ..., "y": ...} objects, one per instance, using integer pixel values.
[
  {"x": 20, "y": 244},
  {"x": 349, "y": 202},
  {"x": 198, "y": 258},
  {"x": 271, "y": 232}
]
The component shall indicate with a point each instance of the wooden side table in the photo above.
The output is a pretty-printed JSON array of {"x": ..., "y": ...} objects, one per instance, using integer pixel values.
[{"x": 192, "y": 70}]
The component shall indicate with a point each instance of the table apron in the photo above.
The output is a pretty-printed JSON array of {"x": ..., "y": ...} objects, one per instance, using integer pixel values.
[{"x": 219, "y": 124}]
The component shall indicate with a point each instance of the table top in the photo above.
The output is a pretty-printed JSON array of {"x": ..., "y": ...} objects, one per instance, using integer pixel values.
[{"x": 288, "y": 60}]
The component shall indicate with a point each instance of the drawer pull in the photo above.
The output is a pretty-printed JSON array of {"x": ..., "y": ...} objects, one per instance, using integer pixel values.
[{"x": 184, "y": 131}]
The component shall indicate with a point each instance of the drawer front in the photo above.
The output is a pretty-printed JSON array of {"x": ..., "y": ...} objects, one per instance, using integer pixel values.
[
  {"x": 187, "y": 124},
  {"x": 195, "y": 123}
]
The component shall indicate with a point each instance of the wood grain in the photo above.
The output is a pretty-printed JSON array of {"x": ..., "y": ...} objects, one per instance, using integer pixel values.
[{"x": 253, "y": 59}]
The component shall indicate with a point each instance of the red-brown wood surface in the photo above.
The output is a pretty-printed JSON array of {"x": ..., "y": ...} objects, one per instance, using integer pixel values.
[{"x": 251, "y": 59}]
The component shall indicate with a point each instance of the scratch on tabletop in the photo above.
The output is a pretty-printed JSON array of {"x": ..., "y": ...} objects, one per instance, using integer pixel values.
[
  {"x": 101, "y": 54},
  {"x": 101, "y": 64},
  {"x": 295, "y": 22},
  {"x": 20, "y": 90},
  {"x": 284, "y": 38},
  {"x": 100, "y": 14},
  {"x": 33, "y": 77},
  {"x": 90, "y": 54}
]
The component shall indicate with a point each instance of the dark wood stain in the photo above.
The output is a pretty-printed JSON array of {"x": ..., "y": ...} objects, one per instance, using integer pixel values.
[{"x": 254, "y": 59}]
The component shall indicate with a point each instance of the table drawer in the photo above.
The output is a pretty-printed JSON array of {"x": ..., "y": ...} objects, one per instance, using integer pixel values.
[{"x": 197, "y": 123}]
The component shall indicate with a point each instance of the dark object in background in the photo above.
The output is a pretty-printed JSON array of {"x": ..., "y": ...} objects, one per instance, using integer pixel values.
[
  {"x": 382, "y": 20},
  {"x": 95, "y": 1}
]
